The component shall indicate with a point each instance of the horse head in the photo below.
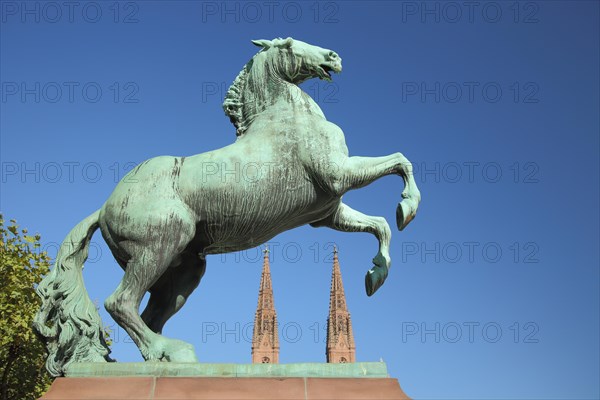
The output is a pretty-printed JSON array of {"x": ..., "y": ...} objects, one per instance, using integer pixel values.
[
  {"x": 273, "y": 73},
  {"x": 295, "y": 61}
]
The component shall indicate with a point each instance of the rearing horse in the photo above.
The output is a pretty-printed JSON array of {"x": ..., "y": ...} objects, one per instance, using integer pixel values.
[{"x": 289, "y": 167}]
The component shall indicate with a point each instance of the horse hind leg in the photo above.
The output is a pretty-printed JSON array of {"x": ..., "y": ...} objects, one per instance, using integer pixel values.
[
  {"x": 171, "y": 291},
  {"x": 148, "y": 263}
]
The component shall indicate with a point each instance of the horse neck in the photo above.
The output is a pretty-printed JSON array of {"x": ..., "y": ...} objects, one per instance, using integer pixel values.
[{"x": 265, "y": 89}]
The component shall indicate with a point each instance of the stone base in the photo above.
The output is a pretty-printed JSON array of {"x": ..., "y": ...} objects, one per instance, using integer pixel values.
[
  {"x": 187, "y": 381},
  {"x": 138, "y": 388}
]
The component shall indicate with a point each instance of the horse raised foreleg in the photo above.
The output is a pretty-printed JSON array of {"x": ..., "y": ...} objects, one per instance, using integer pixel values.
[
  {"x": 357, "y": 172},
  {"x": 346, "y": 219}
]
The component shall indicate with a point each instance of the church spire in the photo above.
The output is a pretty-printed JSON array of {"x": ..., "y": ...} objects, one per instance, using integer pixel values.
[
  {"x": 265, "y": 339},
  {"x": 340, "y": 339}
]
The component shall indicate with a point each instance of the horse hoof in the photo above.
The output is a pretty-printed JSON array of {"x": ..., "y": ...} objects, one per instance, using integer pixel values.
[
  {"x": 374, "y": 279},
  {"x": 185, "y": 355},
  {"x": 405, "y": 213},
  {"x": 173, "y": 350}
]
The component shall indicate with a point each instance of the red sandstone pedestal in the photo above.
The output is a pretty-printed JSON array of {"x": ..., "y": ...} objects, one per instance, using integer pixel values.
[
  {"x": 138, "y": 388},
  {"x": 187, "y": 381}
]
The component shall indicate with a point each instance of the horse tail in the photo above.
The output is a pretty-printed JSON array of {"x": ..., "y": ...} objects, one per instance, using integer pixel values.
[{"x": 68, "y": 321}]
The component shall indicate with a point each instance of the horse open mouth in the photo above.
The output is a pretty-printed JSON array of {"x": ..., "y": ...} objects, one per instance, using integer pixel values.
[{"x": 325, "y": 71}]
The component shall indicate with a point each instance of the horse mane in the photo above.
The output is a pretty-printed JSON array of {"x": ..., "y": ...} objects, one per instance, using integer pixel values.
[
  {"x": 233, "y": 105},
  {"x": 247, "y": 96}
]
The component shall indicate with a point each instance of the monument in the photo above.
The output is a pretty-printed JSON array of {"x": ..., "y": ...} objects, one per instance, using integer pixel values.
[{"x": 168, "y": 213}]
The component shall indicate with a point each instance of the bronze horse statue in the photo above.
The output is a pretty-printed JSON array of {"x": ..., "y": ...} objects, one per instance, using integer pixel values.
[{"x": 168, "y": 213}]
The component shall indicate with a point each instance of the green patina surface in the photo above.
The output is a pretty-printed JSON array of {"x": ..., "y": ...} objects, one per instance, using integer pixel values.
[
  {"x": 168, "y": 213},
  {"x": 164, "y": 369}
]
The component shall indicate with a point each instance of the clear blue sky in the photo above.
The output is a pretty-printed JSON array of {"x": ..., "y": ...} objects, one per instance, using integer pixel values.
[{"x": 494, "y": 289}]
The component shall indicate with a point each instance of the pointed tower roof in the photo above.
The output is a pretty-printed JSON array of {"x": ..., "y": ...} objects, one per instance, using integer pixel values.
[
  {"x": 265, "y": 338},
  {"x": 265, "y": 290},
  {"x": 337, "y": 298},
  {"x": 340, "y": 339}
]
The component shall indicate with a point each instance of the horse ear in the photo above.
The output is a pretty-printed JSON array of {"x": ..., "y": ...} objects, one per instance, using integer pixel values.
[
  {"x": 265, "y": 44},
  {"x": 287, "y": 43}
]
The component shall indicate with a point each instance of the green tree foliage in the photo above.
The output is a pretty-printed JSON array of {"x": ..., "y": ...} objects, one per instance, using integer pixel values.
[{"x": 22, "y": 355}]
